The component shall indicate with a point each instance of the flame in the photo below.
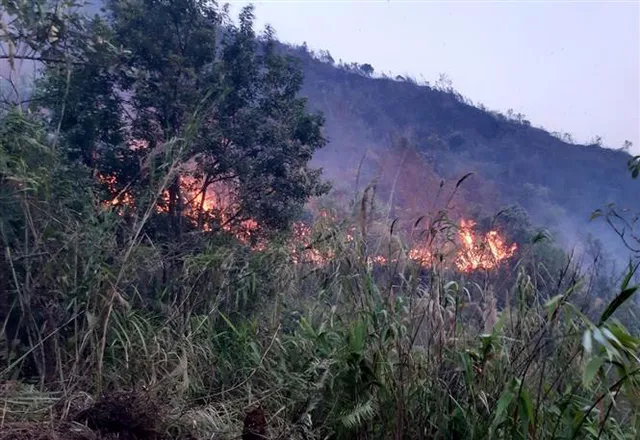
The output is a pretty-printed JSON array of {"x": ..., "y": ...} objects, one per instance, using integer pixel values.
[
  {"x": 216, "y": 202},
  {"x": 421, "y": 255},
  {"x": 378, "y": 259},
  {"x": 302, "y": 250},
  {"x": 485, "y": 253},
  {"x": 122, "y": 198}
]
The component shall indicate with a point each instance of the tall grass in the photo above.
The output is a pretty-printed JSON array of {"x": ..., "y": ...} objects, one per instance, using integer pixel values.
[{"x": 351, "y": 349}]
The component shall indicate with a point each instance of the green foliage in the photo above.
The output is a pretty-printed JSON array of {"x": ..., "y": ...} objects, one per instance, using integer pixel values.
[
  {"x": 153, "y": 71},
  {"x": 96, "y": 298},
  {"x": 429, "y": 357}
]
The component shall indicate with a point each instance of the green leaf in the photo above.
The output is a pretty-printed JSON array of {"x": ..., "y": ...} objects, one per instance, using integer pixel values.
[
  {"x": 525, "y": 408},
  {"x": 623, "y": 336},
  {"x": 503, "y": 404},
  {"x": 599, "y": 336},
  {"x": 551, "y": 304},
  {"x": 617, "y": 302},
  {"x": 628, "y": 276},
  {"x": 228, "y": 321},
  {"x": 357, "y": 337},
  {"x": 611, "y": 337},
  {"x": 591, "y": 369}
]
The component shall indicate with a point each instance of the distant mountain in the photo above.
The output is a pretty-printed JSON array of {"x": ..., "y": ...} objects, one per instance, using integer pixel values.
[{"x": 558, "y": 183}]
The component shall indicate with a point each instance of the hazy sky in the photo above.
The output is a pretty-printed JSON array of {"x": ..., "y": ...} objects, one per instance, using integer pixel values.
[{"x": 571, "y": 66}]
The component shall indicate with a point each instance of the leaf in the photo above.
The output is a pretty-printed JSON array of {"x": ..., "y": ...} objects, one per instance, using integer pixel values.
[
  {"x": 551, "y": 304},
  {"x": 525, "y": 408},
  {"x": 92, "y": 320},
  {"x": 610, "y": 337},
  {"x": 231, "y": 326},
  {"x": 627, "y": 277},
  {"x": 597, "y": 335},
  {"x": 587, "y": 341},
  {"x": 357, "y": 337},
  {"x": 483, "y": 399},
  {"x": 595, "y": 214},
  {"x": 463, "y": 178},
  {"x": 527, "y": 403},
  {"x": 625, "y": 339},
  {"x": 451, "y": 284},
  {"x": 602, "y": 340},
  {"x": 617, "y": 302},
  {"x": 591, "y": 369},
  {"x": 359, "y": 415},
  {"x": 503, "y": 404}
]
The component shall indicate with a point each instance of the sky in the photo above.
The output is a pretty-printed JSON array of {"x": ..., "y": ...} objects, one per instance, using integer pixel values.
[{"x": 569, "y": 66}]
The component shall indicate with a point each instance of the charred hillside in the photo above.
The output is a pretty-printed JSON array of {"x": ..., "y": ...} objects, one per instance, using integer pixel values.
[{"x": 558, "y": 183}]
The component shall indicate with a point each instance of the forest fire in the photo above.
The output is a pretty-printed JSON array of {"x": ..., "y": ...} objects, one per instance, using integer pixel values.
[
  {"x": 122, "y": 198},
  {"x": 484, "y": 253},
  {"x": 474, "y": 252},
  {"x": 216, "y": 201}
]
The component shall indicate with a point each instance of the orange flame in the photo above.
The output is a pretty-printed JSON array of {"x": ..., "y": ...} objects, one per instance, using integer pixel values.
[
  {"x": 421, "y": 255},
  {"x": 122, "y": 198},
  {"x": 474, "y": 253},
  {"x": 218, "y": 202},
  {"x": 486, "y": 253}
]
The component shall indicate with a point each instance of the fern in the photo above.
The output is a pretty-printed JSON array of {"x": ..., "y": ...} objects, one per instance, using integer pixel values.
[{"x": 358, "y": 416}]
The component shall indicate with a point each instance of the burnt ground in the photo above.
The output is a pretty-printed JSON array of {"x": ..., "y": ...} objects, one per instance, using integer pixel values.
[{"x": 117, "y": 415}]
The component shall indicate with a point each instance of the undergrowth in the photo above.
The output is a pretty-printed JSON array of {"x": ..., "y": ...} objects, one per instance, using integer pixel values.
[{"x": 102, "y": 323}]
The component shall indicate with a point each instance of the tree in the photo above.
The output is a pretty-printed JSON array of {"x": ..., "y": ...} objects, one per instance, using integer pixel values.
[
  {"x": 624, "y": 225},
  {"x": 634, "y": 166},
  {"x": 367, "y": 69},
  {"x": 184, "y": 72},
  {"x": 325, "y": 57},
  {"x": 596, "y": 141}
]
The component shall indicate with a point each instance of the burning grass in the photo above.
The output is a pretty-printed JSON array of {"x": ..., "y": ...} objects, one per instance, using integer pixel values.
[{"x": 208, "y": 204}]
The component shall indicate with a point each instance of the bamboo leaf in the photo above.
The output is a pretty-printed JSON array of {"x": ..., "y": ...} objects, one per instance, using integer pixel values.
[
  {"x": 591, "y": 370},
  {"x": 617, "y": 302}
]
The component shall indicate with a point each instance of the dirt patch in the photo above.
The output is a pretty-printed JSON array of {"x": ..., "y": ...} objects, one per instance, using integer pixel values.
[
  {"x": 116, "y": 415},
  {"x": 129, "y": 415},
  {"x": 255, "y": 425}
]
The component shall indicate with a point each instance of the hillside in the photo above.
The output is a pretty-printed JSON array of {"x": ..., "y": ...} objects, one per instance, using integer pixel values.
[
  {"x": 175, "y": 268},
  {"x": 558, "y": 183}
]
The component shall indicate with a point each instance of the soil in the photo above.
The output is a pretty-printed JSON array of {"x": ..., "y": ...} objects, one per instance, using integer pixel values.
[{"x": 116, "y": 415}]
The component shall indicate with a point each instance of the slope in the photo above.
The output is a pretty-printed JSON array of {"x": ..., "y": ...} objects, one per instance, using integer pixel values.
[{"x": 558, "y": 183}]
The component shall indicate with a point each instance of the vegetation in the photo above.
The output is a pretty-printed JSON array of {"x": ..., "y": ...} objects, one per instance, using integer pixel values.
[
  {"x": 558, "y": 182},
  {"x": 156, "y": 280}
]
